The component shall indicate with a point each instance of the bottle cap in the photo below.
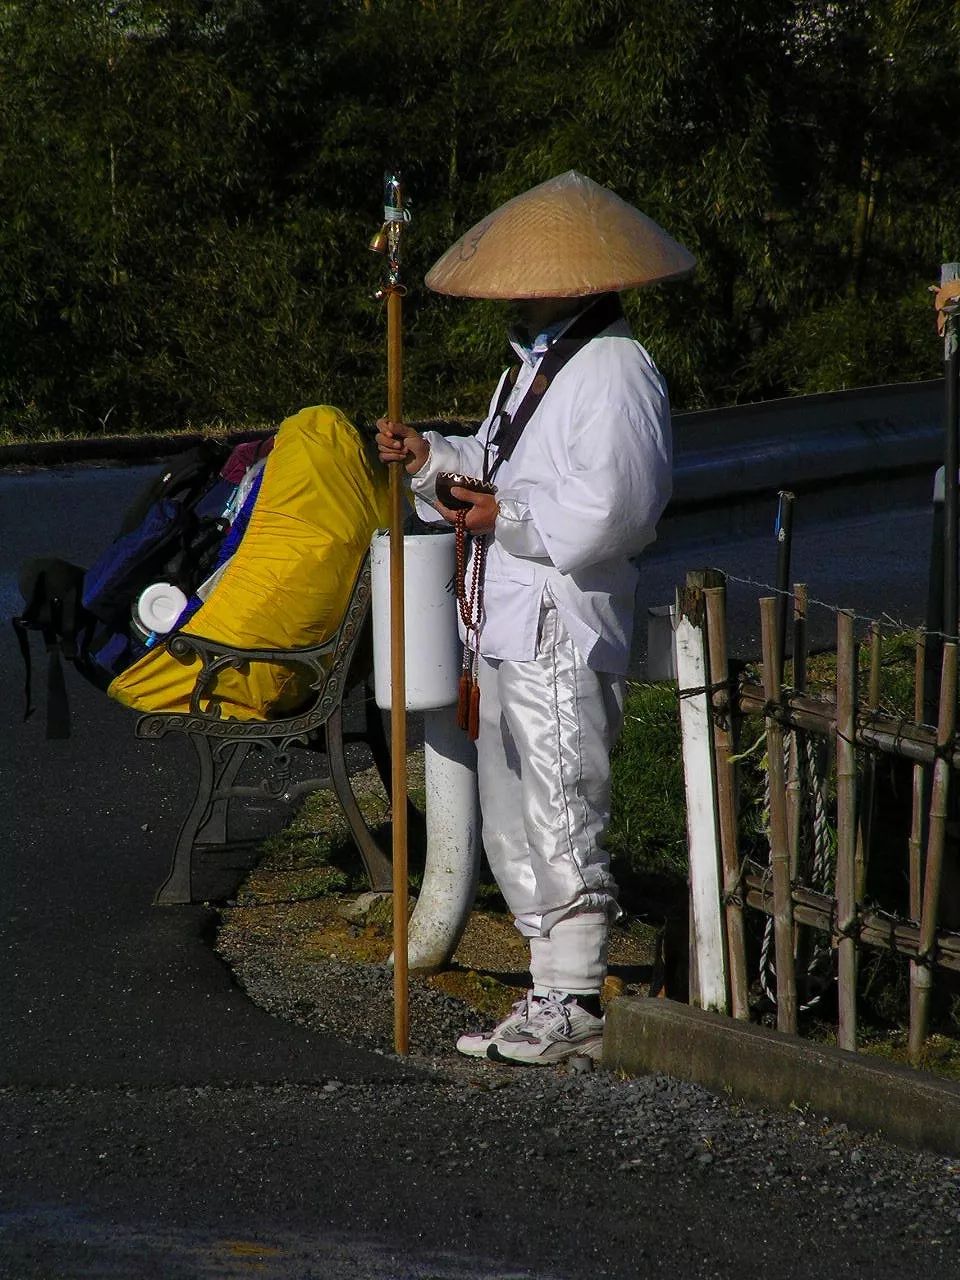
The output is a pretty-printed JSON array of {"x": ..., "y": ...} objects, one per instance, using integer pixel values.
[{"x": 159, "y": 606}]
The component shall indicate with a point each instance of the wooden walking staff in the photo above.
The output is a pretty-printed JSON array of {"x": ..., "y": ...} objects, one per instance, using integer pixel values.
[
  {"x": 947, "y": 302},
  {"x": 388, "y": 241}
]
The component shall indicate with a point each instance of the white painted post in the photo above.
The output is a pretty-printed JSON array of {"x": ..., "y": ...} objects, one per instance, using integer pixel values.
[{"x": 703, "y": 828}]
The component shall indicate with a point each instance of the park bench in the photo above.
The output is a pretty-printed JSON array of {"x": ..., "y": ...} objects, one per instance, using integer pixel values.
[{"x": 228, "y": 751}]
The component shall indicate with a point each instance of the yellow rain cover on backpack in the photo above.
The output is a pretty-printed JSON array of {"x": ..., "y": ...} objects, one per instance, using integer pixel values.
[{"x": 289, "y": 583}]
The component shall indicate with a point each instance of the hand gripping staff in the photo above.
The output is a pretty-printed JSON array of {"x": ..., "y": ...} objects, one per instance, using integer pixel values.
[{"x": 388, "y": 241}]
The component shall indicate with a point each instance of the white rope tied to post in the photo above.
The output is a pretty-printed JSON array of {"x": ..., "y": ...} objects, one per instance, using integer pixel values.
[{"x": 815, "y": 838}]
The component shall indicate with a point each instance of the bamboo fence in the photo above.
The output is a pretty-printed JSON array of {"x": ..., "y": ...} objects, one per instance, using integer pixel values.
[{"x": 808, "y": 916}]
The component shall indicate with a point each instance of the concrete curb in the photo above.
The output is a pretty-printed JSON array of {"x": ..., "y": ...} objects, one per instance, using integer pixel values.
[{"x": 911, "y": 1108}]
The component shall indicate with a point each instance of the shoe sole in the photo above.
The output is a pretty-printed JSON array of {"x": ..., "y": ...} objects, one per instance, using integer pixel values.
[
  {"x": 592, "y": 1050},
  {"x": 481, "y": 1051}
]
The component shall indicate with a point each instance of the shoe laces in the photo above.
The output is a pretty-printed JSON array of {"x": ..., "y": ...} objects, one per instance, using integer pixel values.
[
  {"x": 526, "y": 1005},
  {"x": 553, "y": 1006}
]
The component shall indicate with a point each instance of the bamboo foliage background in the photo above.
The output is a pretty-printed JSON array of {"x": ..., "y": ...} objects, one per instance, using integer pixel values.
[{"x": 185, "y": 191}]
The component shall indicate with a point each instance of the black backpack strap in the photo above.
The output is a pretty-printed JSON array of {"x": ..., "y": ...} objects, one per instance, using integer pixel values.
[
  {"x": 184, "y": 477},
  {"x": 506, "y": 433},
  {"x": 20, "y": 631},
  {"x": 51, "y": 589},
  {"x": 58, "y": 708}
]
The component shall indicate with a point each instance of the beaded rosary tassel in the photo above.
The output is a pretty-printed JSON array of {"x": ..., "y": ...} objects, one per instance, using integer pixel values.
[
  {"x": 463, "y": 700},
  {"x": 471, "y": 612},
  {"x": 473, "y": 718}
]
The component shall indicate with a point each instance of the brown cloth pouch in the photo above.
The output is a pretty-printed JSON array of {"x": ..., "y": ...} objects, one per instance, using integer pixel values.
[{"x": 448, "y": 480}]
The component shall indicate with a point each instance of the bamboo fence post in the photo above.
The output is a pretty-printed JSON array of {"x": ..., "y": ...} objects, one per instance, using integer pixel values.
[
  {"x": 795, "y": 799},
  {"x": 916, "y": 827},
  {"x": 727, "y": 798},
  {"x": 846, "y": 832},
  {"x": 800, "y": 636},
  {"x": 939, "y": 808},
  {"x": 779, "y": 840},
  {"x": 707, "y": 957},
  {"x": 797, "y": 802},
  {"x": 869, "y": 784}
]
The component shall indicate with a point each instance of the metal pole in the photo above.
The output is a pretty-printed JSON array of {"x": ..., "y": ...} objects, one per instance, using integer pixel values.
[
  {"x": 784, "y": 532},
  {"x": 916, "y": 840}
]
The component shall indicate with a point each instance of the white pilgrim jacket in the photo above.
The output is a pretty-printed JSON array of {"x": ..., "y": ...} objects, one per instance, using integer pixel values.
[{"x": 580, "y": 496}]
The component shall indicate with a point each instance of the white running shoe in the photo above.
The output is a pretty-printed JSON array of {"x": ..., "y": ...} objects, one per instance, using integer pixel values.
[
  {"x": 475, "y": 1044},
  {"x": 560, "y": 1028}
]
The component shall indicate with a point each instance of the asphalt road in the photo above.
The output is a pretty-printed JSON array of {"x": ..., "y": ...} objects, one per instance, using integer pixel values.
[
  {"x": 157, "y": 1123},
  {"x": 875, "y": 563}
]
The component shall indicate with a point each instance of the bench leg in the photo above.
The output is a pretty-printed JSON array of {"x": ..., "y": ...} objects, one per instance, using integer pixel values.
[
  {"x": 376, "y": 737},
  {"x": 213, "y": 830},
  {"x": 379, "y": 870},
  {"x": 177, "y": 888}
]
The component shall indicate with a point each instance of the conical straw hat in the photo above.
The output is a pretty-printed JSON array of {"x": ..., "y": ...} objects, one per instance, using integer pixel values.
[{"x": 567, "y": 238}]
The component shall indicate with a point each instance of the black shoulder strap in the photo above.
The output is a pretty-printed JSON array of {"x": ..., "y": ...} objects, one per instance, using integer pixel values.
[
  {"x": 506, "y": 433},
  {"x": 183, "y": 475}
]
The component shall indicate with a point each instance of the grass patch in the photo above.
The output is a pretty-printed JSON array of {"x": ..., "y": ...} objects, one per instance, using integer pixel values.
[
  {"x": 315, "y": 855},
  {"x": 27, "y": 428},
  {"x": 647, "y": 833},
  {"x": 940, "y": 1056}
]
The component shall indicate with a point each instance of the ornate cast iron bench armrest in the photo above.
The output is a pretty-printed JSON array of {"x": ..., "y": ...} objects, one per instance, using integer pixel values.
[{"x": 223, "y": 744}]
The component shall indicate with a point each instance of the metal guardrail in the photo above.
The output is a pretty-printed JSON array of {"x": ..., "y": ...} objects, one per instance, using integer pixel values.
[
  {"x": 871, "y": 445},
  {"x": 799, "y": 443}
]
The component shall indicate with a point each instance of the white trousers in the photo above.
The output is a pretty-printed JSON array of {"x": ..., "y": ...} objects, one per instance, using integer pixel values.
[{"x": 547, "y": 727}]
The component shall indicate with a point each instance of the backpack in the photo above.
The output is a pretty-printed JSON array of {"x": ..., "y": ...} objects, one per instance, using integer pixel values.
[{"x": 170, "y": 539}]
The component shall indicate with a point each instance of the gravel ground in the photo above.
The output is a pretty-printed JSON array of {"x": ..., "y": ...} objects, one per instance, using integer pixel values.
[{"x": 864, "y": 1198}]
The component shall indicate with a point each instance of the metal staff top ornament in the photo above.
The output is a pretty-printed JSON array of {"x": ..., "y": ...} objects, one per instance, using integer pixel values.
[{"x": 390, "y": 236}]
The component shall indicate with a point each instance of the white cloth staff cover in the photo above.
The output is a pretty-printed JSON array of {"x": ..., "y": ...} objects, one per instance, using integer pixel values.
[{"x": 567, "y": 238}]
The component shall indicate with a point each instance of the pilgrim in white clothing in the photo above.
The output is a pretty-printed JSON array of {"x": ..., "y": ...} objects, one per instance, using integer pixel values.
[{"x": 579, "y": 492}]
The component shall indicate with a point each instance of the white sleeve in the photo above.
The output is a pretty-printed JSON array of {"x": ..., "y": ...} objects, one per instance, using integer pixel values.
[
  {"x": 464, "y": 454},
  {"x": 447, "y": 453}
]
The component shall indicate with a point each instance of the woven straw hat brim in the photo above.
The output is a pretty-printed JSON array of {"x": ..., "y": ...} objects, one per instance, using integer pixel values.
[{"x": 566, "y": 238}]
